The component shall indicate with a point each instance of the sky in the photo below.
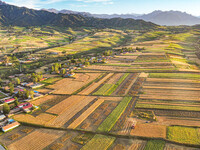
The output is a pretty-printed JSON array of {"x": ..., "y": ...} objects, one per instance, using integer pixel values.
[{"x": 113, "y": 6}]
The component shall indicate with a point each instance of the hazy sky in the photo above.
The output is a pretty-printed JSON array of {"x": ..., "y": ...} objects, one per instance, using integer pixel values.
[{"x": 113, "y": 6}]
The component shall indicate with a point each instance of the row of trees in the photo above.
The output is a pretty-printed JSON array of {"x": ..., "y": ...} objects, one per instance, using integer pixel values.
[
  {"x": 36, "y": 77},
  {"x": 25, "y": 94}
]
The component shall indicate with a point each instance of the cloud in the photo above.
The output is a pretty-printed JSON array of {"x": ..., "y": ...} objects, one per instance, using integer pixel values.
[
  {"x": 97, "y": 1},
  {"x": 33, "y": 3}
]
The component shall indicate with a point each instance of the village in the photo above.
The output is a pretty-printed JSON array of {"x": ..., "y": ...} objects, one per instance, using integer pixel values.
[{"x": 17, "y": 91}]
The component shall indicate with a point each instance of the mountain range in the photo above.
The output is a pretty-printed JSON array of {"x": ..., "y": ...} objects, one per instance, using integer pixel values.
[
  {"x": 168, "y": 18},
  {"x": 21, "y": 16}
]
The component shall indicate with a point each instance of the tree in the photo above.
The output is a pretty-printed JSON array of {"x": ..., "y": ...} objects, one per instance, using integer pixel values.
[
  {"x": 35, "y": 79},
  {"x": 16, "y": 101},
  {"x": 18, "y": 81},
  {"x": 63, "y": 72},
  {"x": 26, "y": 94},
  {"x": 87, "y": 63},
  {"x": 11, "y": 86},
  {"x": 6, "y": 109},
  {"x": 31, "y": 94},
  {"x": 52, "y": 68},
  {"x": 64, "y": 52},
  {"x": 73, "y": 61}
]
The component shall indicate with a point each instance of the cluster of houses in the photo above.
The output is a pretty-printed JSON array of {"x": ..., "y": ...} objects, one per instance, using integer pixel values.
[
  {"x": 7, "y": 124},
  {"x": 25, "y": 106}
]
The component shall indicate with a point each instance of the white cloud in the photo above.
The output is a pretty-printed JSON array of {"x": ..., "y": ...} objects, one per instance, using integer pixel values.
[
  {"x": 37, "y": 4},
  {"x": 34, "y": 3},
  {"x": 97, "y": 1}
]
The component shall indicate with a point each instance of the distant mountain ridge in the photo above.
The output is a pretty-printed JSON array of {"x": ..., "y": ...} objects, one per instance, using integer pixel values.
[
  {"x": 168, "y": 18},
  {"x": 2, "y": 3},
  {"x": 21, "y": 16},
  {"x": 104, "y": 16}
]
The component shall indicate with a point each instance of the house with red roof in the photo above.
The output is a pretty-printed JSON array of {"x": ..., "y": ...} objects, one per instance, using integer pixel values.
[
  {"x": 9, "y": 100},
  {"x": 26, "y": 107}
]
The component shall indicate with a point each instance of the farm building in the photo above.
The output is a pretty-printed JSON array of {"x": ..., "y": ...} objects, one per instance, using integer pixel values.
[
  {"x": 11, "y": 124},
  {"x": 68, "y": 75},
  {"x": 9, "y": 100},
  {"x": 2, "y": 117},
  {"x": 26, "y": 107}
]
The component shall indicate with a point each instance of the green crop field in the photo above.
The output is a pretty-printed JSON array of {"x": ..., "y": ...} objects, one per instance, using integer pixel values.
[
  {"x": 108, "y": 89},
  {"x": 104, "y": 89},
  {"x": 99, "y": 142},
  {"x": 175, "y": 75},
  {"x": 155, "y": 145},
  {"x": 110, "y": 121},
  {"x": 187, "y": 135}
]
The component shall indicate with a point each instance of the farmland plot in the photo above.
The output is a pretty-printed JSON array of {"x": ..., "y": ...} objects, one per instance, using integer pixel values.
[
  {"x": 110, "y": 121},
  {"x": 43, "y": 99},
  {"x": 100, "y": 142},
  {"x": 187, "y": 135},
  {"x": 108, "y": 89},
  {"x": 70, "y": 85},
  {"x": 65, "y": 104},
  {"x": 177, "y": 147},
  {"x": 83, "y": 116},
  {"x": 177, "y": 113},
  {"x": 181, "y": 121},
  {"x": 94, "y": 85},
  {"x": 38, "y": 139},
  {"x": 152, "y": 58},
  {"x": 149, "y": 130},
  {"x": 123, "y": 88},
  {"x": 136, "y": 86},
  {"x": 92, "y": 122},
  {"x": 155, "y": 144},
  {"x": 67, "y": 114},
  {"x": 106, "y": 68}
]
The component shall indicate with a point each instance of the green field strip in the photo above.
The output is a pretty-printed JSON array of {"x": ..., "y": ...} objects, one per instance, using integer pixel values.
[
  {"x": 163, "y": 106},
  {"x": 175, "y": 75},
  {"x": 110, "y": 121}
]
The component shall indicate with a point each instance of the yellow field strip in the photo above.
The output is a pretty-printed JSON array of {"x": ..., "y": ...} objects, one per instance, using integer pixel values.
[
  {"x": 69, "y": 113},
  {"x": 82, "y": 117},
  {"x": 65, "y": 104},
  {"x": 38, "y": 139}
]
